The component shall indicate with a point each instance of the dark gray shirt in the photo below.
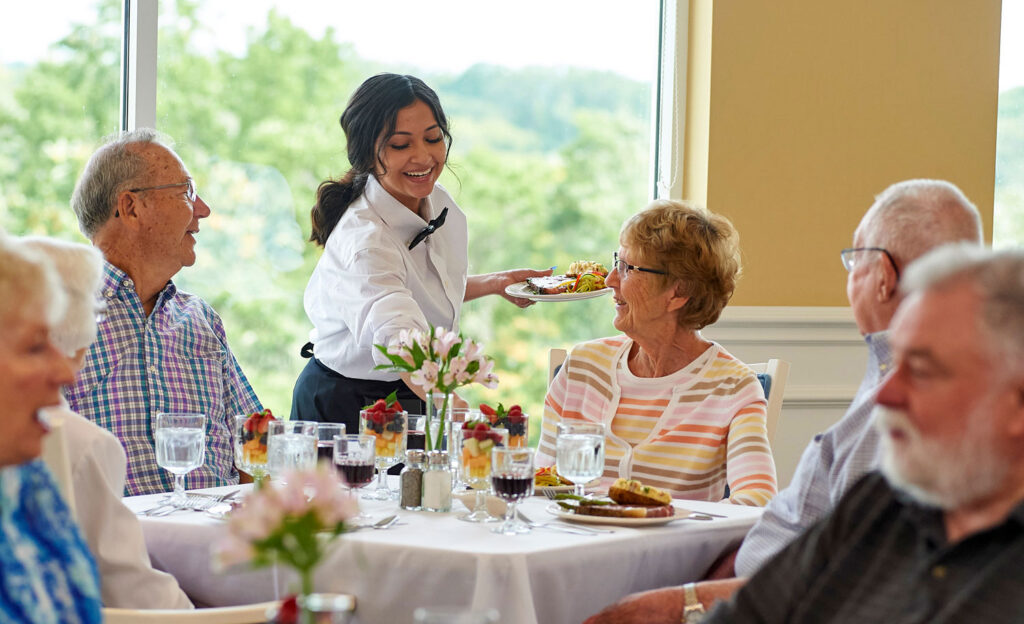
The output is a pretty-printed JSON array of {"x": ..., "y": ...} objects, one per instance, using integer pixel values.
[{"x": 881, "y": 557}]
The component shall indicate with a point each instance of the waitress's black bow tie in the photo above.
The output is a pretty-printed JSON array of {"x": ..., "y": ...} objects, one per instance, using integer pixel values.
[{"x": 430, "y": 229}]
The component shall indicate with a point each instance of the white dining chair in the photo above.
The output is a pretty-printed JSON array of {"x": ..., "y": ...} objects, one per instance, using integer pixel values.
[
  {"x": 245, "y": 614},
  {"x": 777, "y": 374},
  {"x": 556, "y": 357},
  {"x": 55, "y": 456}
]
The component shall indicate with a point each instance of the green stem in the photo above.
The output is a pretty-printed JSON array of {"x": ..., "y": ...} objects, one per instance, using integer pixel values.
[
  {"x": 440, "y": 428},
  {"x": 306, "y": 574}
]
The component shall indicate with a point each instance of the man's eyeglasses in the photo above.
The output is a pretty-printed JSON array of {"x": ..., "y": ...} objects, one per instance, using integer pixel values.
[
  {"x": 849, "y": 257},
  {"x": 190, "y": 193},
  {"x": 624, "y": 267}
]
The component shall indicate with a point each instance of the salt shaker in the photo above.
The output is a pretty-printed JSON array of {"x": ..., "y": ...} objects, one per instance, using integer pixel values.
[
  {"x": 411, "y": 480},
  {"x": 437, "y": 483}
]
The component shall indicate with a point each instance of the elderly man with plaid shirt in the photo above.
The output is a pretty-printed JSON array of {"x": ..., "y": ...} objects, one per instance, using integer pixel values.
[{"x": 159, "y": 349}]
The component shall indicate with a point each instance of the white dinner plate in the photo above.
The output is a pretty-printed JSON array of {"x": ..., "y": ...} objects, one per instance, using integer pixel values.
[
  {"x": 519, "y": 289},
  {"x": 555, "y": 510}
]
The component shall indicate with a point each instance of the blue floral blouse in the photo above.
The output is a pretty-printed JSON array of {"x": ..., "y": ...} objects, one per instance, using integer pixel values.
[{"x": 47, "y": 574}]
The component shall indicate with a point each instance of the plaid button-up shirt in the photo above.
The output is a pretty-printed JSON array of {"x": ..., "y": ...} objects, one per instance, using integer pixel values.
[{"x": 176, "y": 360}]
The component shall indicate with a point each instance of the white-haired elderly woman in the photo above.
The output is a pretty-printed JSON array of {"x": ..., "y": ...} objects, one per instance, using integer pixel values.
[
  {"x": 680, "y": 412},
  {"x": 96, "y": 457},
  {"x": 46, "y": 571}
]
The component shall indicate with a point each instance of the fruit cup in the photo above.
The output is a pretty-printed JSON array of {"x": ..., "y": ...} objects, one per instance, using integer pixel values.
[
  {"x": 474, "y": 442},
  {"x": 250, "y": 440},
  {"x": 389, "y": 425}
]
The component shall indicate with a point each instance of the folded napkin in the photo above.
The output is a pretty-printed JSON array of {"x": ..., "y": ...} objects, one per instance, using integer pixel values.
[{"x": 495, "y": 506}]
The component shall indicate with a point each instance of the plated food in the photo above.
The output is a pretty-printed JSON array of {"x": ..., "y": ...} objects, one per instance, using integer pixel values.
[
  {"x": 627, "y": 498},
  {"x": 548, "y": 477},
  {"x": 582, "y": 276}
]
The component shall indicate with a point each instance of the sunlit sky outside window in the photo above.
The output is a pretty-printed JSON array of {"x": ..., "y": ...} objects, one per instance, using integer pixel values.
[{"x": 448, "y": 36}]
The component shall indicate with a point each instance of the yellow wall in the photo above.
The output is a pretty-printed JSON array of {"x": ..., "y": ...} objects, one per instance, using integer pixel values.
[{"x": 811, "y": 107}]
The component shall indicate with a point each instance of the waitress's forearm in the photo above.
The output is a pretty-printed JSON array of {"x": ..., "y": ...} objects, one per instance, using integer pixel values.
[{"x": 480, "y": 285}]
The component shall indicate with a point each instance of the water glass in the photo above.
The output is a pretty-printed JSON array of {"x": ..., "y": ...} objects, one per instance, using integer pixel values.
[
  {"x": 291, "y": 445},
  {"x": 579, "y": 452},
  {"x": 475, "y": 466},
  {"x": 390, "y": 430},
  {"x": 180, "y": 447},
  {"x": 325, "y": 434},
  {"x": 512, "y": 481}
]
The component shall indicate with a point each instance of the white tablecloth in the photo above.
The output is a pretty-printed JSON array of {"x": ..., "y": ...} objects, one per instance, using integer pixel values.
[{"x": 429, "y": 559}]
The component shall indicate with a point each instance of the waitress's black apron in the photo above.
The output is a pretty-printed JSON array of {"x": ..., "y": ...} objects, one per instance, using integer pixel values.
[{"x": 324, "y": 395}]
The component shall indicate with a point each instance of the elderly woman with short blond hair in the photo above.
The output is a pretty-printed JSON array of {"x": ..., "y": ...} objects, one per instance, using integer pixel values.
[
  {"x": 46, "y": 571},
  {"x": 680, "y": 412}
]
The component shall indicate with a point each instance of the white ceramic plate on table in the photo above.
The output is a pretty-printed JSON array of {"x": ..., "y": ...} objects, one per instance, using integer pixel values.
[
  {"x": 564, "y": 514},
  {"x": 519, "y": 289}
]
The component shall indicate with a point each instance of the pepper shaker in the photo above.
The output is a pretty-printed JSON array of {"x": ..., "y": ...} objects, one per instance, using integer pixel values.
[{"x": 411, "y": 480}]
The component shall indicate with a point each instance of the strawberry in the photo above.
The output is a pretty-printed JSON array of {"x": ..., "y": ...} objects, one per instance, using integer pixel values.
[
  {"x": 487, "y": 410},
  {"x": 288, "y": 613},
  {"x": 480, "y": 431}
]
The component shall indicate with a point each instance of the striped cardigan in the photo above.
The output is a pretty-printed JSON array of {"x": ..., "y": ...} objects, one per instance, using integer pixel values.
[{"x": 711, "y": 434}]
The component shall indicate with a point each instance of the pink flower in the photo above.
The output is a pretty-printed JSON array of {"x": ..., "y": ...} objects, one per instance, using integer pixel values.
[
  {"x": 444, "y": 340},
  {"x": 426, "y": 376}
]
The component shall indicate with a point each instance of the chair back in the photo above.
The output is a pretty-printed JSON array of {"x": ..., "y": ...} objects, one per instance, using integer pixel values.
[
  {"x": 556, "y": 357},
  {"x": 55, "y": 456},
  {"x": 773, "y": 374}
]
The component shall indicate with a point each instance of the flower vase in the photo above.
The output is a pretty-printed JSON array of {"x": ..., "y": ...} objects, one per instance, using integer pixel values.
[{"x": 437, "y": 414}]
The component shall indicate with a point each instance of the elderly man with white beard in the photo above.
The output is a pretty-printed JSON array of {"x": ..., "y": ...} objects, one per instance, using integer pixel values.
[{"x": 938, "y": 535}]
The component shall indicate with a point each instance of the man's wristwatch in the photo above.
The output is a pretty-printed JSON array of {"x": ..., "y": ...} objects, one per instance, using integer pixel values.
[{"x": 693, "y": 610}]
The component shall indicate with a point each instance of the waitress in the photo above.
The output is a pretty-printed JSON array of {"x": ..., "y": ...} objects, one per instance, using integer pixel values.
[{"x": 395, "y": 252}]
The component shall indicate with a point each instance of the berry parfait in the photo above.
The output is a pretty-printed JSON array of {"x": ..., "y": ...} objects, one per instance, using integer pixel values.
[
  {"x": 250, "y": 435},
  {"x": 388, "y": 424},
  {"x": 512, "y": 419},
  {"x": 474, "y": 442}
]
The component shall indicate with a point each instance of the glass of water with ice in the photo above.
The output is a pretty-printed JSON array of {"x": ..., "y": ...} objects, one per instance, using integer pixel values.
[
  {"x": 180, "y": 447},
  {"x": 291, "y": 445},
  {"x": 579, "y": 452}
]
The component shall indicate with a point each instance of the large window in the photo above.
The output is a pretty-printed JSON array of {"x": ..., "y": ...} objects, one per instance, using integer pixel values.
[
  {"x": 1008, "y": 218},
  {"x": 550, "y": 106},
  {"x": 59, "y": 76}
]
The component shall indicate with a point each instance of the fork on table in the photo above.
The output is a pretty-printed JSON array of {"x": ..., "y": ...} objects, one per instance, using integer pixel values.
[{"x": 195, "y": 501}]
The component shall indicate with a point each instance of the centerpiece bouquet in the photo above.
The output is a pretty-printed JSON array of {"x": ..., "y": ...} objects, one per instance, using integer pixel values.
[
  {"x": 291, "y": 525},
  {"x": 440, "y": 361}
]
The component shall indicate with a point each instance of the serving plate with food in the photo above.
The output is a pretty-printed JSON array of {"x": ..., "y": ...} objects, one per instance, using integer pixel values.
[
  {"x": 629, "y": 503},
  {"x": 583, "y": 280},
  {"x": 547, "y": 479}
]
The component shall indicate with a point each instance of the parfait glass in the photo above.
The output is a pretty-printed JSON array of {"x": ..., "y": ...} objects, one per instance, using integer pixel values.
[
  {"x": 512, "y": 481},
  {"x": 250, "y": 440},
  {"x": 389, "y": 429},
  {"x": 579, "y": 452},
  {"x": 457, "y": 417},
  {"x": 354, "y": 459},
  {"x": 291, "y": 445},
  {"x": 474, "y": 447},
  {"x": 180, "y": 448}
]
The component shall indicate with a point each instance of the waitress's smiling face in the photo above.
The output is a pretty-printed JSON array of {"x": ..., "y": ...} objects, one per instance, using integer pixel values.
[{"x": 413, "y": 156}]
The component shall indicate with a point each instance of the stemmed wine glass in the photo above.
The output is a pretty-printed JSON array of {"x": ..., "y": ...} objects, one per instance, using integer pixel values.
[
  {"x": 474, "y": 447},
  {"x": 512, "y": 481},
  {"x": 389, "y": 430},
  {"x": 579, "y": 452},
  {"x": 180, "y": 448},
  {"x": 354, "y": 459}
]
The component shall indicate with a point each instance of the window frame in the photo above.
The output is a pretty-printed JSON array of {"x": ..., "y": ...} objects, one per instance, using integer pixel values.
[{"x": 139, "y": 72}]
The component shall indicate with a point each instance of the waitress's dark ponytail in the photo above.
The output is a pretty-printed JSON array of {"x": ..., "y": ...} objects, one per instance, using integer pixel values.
[{"x": 370, "y": 116}]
